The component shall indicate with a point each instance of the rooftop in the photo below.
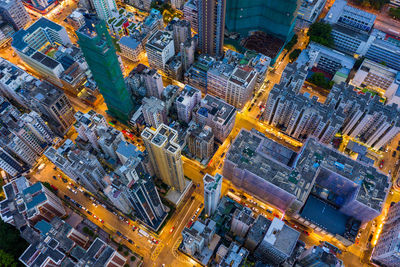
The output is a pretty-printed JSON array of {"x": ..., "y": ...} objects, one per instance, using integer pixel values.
[
  {"x": 213, "y": 106},
  {"x": 255, "y": 153},
  {"x": 159, "y": 40}
]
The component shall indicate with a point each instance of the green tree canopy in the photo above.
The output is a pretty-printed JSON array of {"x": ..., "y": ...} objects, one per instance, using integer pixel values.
[
  {"x": 7, "y": 260},
  {"x": 320, "y": 32},
  {"x": 375, "y": 4},
  {"x": 294, "y": 55}
]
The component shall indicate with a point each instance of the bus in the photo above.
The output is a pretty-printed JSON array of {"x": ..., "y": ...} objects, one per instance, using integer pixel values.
[
  {"x": 143, "y": 233},
  {"x": 234, "y": 197}
]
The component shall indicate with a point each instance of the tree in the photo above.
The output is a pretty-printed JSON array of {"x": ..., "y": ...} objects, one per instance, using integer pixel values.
[
  {"x": 294, "y": 55},
  {"x": 126, "y": 253},
  {"x": 7, "y": 260},
  {"x": 320, "y": 80},
  {"x": 133, "y": 258},
  {"x": 291, "y": 43},
  {"x": 320, "y": 32},
  {"x": 375, "y": 4},
  {"x": 11, "y": 241},
  {"x": 394, "y": 12},
  {"x": 120, "y": 247}
]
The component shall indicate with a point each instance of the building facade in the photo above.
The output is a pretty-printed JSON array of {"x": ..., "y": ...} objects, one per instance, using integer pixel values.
[
  {"x": 212, "y": 192},
  {"x": 103, "y": 62},
  {"x": 165, "y": 155}
]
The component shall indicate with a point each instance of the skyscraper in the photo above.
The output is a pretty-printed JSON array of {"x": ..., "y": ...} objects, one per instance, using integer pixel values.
[
  {"x": 211, "y": 18},
  {"x": 165, "y": 155},
  {"x": 386, "y": 252},
  {"x": 14, "y": 12},
  {"x": 105, "y": 9},
  {"x": 270, "y": 16},
  {"x": 212, "y": 192},
  {"x": 99, "y": 52}
]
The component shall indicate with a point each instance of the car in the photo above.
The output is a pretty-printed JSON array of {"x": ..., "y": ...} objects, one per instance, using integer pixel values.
[
  {"x": 172, "y": 229},
  {"x": 89, "y": 212},
  {"x": 101, "y": 220},
  {"x": 94, "y": 216},
  {"x": 55, "y": 178},
  {"x": 269, "y": 211},
  {"x": 189, "y": 224},
  {"x": 69, "y": 188},
  {"x": 64, "y": 180},
  {"x": 114, "y": 213},
  {"x": 74, "y": 191},
  {"x": 67, "y": 197},
  {"x": 134, "y": 228},
  {"x": 201, "y": 205},
  {"x": 220, "y": 165},
  {"x": 249, "y": 109},
  {"x": 381, "y": 164},
  {"x": 398, "y": 148},
  {"x": 118, "y": 233},
  {"x": 258, "y": 116},
  {"x": 104, "y": 206},
  {"x": 126, "y": 221},
  {"x": 202, "y": 172},
  {"x": 154, "y": 241},
  {"x": 94, "y": 204},
  {"x": 193, "y": 218},
  {"x": 80, "y": 189},
  {"x": 223, "y": 154},
  {"x": 130, "y": 241},
  {"x": 305, "y": 232},
  {"x": 394, "y": 153}
]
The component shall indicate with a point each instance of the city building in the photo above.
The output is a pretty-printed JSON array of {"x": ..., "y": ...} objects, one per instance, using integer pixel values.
[
  {"x": 98, "y": 254},
  {"x": 386, "y": 251},
  {"x": 240, "y": 87},
  {"x": 40, "y": 6},
  {"x": 126, "y": 150},
  {"x": 79, "y": 165},
  {"x": 310, "y": 10},
  {"x": 10, "y": 164},
  {"x": 186, "y": 101},
  {"x": 36, "y": 46},
  {"x": 76, "y": 19},
  {"x": 350, "y": 27},
  {"x": 181, "y": 31},
  {"x": 173, "y": 68},
  {"x": 291, "y": 181},
  {"x": 14, "y": 12},
  {"x": 383, "y": 48},
  {"x": 217, "y": 114},
  {"x": 160, "y": 48},
  {"x": 196, "y": 76},
  {"x": 29, "y": 203},
  {"x": 190, "y": 13},
  {"x": 275, "y": 17},
  {"x": 99, "y": 52},
  {"x": 147, "y": 202},
  {"x": 177, "y": 4},
  {"x": 332, "y": 62},
  {"x": 196, "y": 240},
  {"x": 169, "y": 96},
  {"x": 241, "y": 222},
  {"x": 145, "y": 81},
  {"x": 212, "y": 192},
  {"x": 165, "y": 155},
  {"x": 299, "y": 116},
  {"x": 141, "y": 4},
  {"x": 124, "y": 24},
  {"x": 86, "y": 126},
  {"x": 200, "y": 141},
  {"x": 278, "y": 243},
  {"x": 233, "y": 256},
  {"x": 256, "y": 233},
  {"x": 378, "y": 78},
  {"x": 134, "y": 190},
  {"x": 217, "y": 79},
  {"x": 105, "y": 9},
  {"x": 50, "y": 243},
  {"x": 109, "y": 139},
  {"x": 154, "y": 112},
  {"x": 130, "y": 48},
  {"x": 44, "y": 98},
  {"x": 187, "y": 51},
  {"x": 319, "y": 256},
  {"x": 211, "y": 26}
]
